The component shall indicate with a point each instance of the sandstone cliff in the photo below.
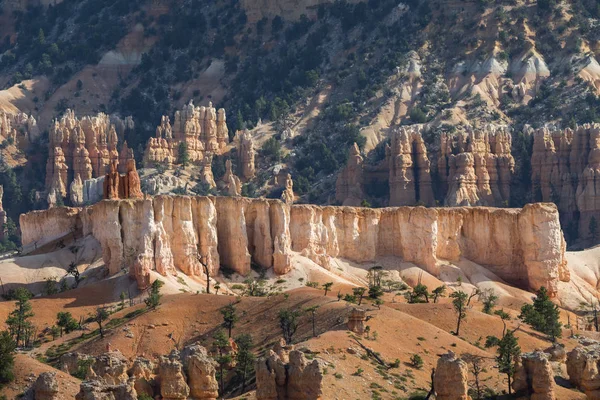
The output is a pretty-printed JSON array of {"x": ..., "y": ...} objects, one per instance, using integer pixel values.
[
  {"x": 525, "y": 246},
  {"x": 565, "y": 169}
]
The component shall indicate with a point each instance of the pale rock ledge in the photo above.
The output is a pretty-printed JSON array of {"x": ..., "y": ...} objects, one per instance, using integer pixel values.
[{"x": 525, "y": 247}]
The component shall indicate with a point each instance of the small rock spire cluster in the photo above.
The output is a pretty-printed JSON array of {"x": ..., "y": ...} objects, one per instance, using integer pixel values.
[
  {"x": 285, "y": 374},
  {"x": 82, "y": 149},
  {"x": 202, "y": 130},
  {"x": 126, "y": 186},
  {"x": 473, "y": 168},
  {"x": 19, "y": 128},
  {"x": 178, "y": 375}
]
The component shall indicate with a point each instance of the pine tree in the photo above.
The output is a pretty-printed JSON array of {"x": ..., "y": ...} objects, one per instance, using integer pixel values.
[
  {"x": 183, "y": 155},
  {"x": 459, "y": 301},
  {"x": 7, "y": 357},
  {"x": 229, "y": 317},
  {"x": 223, "y": 358},
  {"x": 244, "y": 358},
  {"x": 508, "y": 350},
  {"x": 18, "y": 320},
  {"x": 288, "y": 320},
  {"x": 99, "y": 317},
  {"x": 543, "y": 315},
  {"x": 153, "y": 299}
]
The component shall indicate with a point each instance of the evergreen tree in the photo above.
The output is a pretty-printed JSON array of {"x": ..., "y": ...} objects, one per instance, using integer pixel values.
[
  {"x": 229, "y": 317},
  {"x": 223, "y": 358},
  {"x": 459, "y": 301},
  {"x": 18, "y": 320},
  {"x": 489, "y": 300},
  {"x": 508, "y": 350},
  {"x": 327, "y": 286},
  {"x": 438, "y": 292},
  {"x": 99, "y": 317},
  {"x": 288, "y": 320},
  {"x": 183, "y": 155},
  {"x": 7, "y": 357},
  {"x": 313, "y": 311},
  {"x": 154, "y": 296},
  {"x": 244, "y": 358},
  {"x": 66, "y": 322},
  {"x": 543, "y": 315},
  {"x": 359, "y": 293}
]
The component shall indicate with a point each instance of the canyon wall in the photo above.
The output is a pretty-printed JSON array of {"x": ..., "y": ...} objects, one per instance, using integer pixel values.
[
  {"x": 565, "y": 169},
  {"x": 471, "y": 168},
  {"x": 166, "y": 234},
  {"x": 476, "y": 168}
]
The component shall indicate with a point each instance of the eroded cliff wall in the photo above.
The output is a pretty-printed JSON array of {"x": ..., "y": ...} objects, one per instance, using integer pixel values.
[{"x": 167, "y": 234}]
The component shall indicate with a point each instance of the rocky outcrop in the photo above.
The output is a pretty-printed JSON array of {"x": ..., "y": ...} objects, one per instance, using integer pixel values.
[
  {"x": 46, "y": 387},
  {"x": 472, "y": 168},
  {"x": 246, "y": 154},
  {"x": 173, "y": 384},
  {"x": 349, "y": 184},
  {"x": 582, "y": 368},
  {"x": 409, "y": 166},
  {"x": 201, "y": 370},
  {"x": 196, "y": 131},
  {"x": 356, "y": 321},
  {"x": 288, "y": 196},
  {"x": 524, "y": 246},
  {"x": 84, "y": 147},
  {"x": 451, "y": 379},
  {"x": 142, "y": 375},
  {"x": 534, "y": 376},
  {"x": 231, "y": 183},
  {"x": 110, "y": 368},
  {"x": 127, "y": 186},
  {"x": 476, "y": 166},
  {"x": 20, "y": 129},
  {"x": 285, "y": 374},
  {"x": 189, "y": 374},
  {"x": 95, "y": 390},
  {"x": 564, "y": 168}
]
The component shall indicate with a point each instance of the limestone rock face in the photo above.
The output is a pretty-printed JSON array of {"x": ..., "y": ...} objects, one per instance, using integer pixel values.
[
  {"x": 141, "y": 373},
  {"x": 564, "y": 170},
  {"x": 356, "y": 321},
  {"x": 76, "y": 191},
  {"x": 287, "y": 375},
  {"x": 246, "y": 154},
  {"x": 110, "y": 368},
  {"x": 409, "y": 166},
  {"x": 451, "y": 379},
  {"x": 534, "y": 376},
  {"x": 349, "y": 184},
  {"x": 200, "y": 132},
  {"x": 288, "y": 194},
  {"x": 87, "y": 146},
  {"x": 94, "y": 390},
  {"x": 127, "y": 186},
  {"x": 172, "y": 380},
  {"x": 232, "y": 184},
  {"x": 201, "y": 370},
  {"x": 582, "y": 367},
  {"x": 525, "y": 247},
  {"x": 21, "y": 128},
  {"x": 476, "y": 166},
  {"x": 46, "y": 387}
]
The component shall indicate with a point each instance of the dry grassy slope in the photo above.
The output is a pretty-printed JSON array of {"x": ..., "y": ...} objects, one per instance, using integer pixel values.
[{"x": 401, "y": 331}]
